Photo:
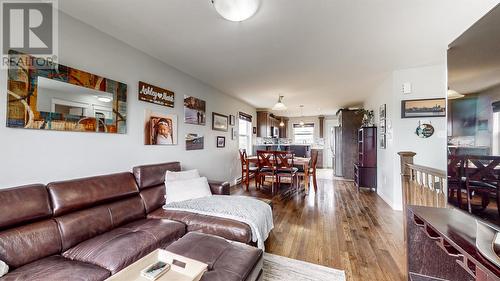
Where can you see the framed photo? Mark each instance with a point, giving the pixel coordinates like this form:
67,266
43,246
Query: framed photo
221,142
231,120
160,129
194,111
382,112
194,142
220,122
423,108
383,141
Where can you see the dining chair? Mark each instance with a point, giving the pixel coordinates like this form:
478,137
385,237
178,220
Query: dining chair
266,168
246,170
456,177
482,176
285,167
312,169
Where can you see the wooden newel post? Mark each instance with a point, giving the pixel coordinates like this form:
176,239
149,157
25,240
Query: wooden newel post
406,158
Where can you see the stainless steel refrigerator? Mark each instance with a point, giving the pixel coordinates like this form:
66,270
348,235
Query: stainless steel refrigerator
337,151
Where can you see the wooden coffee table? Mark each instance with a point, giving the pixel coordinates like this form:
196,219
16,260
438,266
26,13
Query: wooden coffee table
192,271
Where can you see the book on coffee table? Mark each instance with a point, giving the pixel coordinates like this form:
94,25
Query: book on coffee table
181,268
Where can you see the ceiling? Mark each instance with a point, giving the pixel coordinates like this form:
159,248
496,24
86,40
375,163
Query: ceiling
324,54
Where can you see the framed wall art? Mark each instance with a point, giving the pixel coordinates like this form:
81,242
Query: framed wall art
423,108
221,142
63,98
194,141
194,111
220,122
160,129
156,95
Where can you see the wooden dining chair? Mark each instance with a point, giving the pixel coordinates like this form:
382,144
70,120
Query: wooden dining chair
247,171
285,167
265,168
482,176
312,169
456,177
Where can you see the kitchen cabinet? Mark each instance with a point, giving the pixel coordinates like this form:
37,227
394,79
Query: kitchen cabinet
266,122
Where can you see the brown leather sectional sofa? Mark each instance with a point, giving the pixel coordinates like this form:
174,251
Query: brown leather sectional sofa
89,229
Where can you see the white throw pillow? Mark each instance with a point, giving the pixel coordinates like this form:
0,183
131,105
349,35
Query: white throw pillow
182,190
4,268
183,175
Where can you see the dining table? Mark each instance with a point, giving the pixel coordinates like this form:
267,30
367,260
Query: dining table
297,161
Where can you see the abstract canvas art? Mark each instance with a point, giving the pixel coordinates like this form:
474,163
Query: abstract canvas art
64,99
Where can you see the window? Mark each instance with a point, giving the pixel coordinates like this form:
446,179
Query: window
496,133
245,132
303,134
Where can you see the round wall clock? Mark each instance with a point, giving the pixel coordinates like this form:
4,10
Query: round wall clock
425,131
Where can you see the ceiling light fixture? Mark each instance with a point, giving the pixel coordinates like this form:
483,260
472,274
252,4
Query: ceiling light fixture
452,94
104,99
236,10
279,106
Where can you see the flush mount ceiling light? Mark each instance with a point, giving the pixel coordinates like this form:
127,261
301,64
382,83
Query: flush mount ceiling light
279,106
104,99
236,10
452,94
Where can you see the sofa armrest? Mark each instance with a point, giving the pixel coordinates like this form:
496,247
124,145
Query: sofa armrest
219,187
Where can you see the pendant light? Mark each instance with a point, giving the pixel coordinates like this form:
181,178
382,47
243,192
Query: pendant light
282,124
452,94
279,106
236,10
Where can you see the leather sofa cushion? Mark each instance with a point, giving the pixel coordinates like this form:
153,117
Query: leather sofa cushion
118,248
226,228
24,244
153,197
26,203
154,175
82,225
227,261
57,268
74,195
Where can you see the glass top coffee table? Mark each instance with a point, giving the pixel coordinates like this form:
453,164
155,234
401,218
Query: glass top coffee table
182,268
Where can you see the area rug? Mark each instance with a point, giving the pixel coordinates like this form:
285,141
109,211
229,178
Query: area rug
277,268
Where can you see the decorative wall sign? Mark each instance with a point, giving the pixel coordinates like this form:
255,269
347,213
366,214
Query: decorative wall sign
219,122
424,130
221,142
160,129
156,95
231,120
64,99
423,108
234,133
194,142
194,111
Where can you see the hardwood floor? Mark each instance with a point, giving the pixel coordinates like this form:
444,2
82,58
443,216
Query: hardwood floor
340,228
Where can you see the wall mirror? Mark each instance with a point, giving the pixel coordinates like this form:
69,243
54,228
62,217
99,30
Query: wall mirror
64,99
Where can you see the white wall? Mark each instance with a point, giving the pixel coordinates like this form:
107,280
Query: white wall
31,156
427,82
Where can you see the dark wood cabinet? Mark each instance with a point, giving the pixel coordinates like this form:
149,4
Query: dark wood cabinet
266,122
365,169
346,139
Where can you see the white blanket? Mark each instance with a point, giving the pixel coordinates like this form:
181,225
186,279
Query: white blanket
256,213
